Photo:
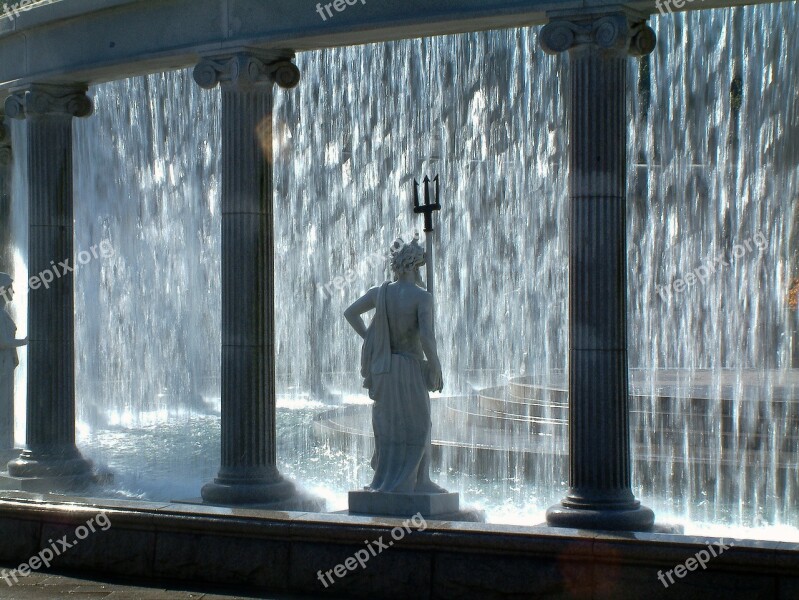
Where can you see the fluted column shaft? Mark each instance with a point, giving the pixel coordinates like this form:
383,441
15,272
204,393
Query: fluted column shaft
600,494
6,266
248,358
50,435
248,473
598,384
6,255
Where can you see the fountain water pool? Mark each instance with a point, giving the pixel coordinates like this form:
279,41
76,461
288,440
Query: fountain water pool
713,134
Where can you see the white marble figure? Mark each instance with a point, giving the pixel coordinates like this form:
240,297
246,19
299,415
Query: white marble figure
398,377
8,362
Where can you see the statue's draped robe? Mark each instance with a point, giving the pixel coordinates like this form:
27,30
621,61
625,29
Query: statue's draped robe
8,361
401,411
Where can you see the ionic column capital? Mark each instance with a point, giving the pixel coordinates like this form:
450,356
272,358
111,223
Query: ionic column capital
44,99
247,70
612,33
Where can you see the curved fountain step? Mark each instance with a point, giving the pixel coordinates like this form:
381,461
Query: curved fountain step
516,427
524,389
523,395
498,399
460,413
658,413
471,414
479,450
695,386
355,420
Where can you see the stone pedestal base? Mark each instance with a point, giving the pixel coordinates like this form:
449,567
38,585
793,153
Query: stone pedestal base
47,484
636,518
34,465
403,505
299,503
31,472
277,495
222,492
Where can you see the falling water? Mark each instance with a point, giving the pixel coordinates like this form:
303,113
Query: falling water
713,145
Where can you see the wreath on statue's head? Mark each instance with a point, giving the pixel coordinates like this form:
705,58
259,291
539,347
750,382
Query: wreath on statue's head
406,257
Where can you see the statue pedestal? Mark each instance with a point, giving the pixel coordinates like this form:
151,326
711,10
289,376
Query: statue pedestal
403,505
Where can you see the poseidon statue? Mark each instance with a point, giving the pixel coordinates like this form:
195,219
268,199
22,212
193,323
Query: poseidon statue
400,365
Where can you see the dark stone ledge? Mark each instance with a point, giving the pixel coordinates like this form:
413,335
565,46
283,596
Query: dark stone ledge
284,552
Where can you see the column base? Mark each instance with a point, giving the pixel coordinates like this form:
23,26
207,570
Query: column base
37,464
634,518
46,485
40,472
280,494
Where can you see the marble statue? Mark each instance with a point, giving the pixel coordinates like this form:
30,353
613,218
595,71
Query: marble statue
400,365
8,362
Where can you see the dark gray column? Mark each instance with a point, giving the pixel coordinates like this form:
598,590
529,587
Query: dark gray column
600,496
249,473
51,454
6,254
6,266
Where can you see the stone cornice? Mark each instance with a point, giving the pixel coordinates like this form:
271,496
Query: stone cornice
153,43
40,100
247,70
612,33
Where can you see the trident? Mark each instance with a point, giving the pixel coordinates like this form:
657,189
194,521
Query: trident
427,209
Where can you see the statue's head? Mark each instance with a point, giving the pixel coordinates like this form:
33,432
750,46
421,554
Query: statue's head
406,257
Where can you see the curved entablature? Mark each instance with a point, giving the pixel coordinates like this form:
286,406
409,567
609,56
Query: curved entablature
91,41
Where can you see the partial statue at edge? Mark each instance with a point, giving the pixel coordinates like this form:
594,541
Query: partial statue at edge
8,362
400,364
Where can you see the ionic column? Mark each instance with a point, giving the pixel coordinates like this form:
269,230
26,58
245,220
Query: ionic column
6,266
600,495
249,473
51,454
